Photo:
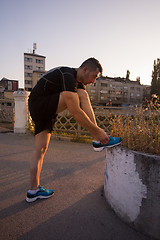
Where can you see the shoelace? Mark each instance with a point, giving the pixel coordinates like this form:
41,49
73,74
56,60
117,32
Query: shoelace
41,189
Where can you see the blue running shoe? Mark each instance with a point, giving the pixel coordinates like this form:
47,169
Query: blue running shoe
113,141
41,193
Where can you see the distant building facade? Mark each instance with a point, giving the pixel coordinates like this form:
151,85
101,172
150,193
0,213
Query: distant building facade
7,87
34,66
116,91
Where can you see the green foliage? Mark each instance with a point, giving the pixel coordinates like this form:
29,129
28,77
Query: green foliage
141,133
127,75
138,80
155,84
31,125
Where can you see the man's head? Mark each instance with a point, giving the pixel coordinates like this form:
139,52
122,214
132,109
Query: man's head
89,71
92,64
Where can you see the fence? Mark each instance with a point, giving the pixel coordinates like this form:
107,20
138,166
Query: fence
66,124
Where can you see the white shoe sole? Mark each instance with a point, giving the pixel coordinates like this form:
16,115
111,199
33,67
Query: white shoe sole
35,198
101,148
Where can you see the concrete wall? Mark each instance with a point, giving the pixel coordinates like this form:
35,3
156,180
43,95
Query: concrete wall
132,187
8,94
6,110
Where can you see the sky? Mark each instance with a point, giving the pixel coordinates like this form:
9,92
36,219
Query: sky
122,34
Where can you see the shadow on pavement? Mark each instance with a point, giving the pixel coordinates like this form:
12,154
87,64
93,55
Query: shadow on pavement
88,219
14,209
51,172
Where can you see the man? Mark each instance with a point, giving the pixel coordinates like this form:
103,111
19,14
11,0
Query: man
58,89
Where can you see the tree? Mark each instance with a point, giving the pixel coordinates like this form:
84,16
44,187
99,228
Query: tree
155,83
138,80
127,75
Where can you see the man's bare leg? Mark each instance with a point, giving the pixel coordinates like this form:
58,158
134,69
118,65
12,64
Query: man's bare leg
86,104
41,144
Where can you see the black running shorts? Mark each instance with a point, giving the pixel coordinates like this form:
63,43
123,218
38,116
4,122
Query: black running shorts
43,111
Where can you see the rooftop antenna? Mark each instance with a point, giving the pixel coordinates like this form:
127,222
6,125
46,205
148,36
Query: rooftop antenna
34,47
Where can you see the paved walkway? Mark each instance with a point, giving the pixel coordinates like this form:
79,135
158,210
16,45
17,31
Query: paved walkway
77,211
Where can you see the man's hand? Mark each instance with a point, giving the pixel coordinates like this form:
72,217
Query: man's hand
101,136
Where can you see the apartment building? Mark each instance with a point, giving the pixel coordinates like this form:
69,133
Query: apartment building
116,91
34,67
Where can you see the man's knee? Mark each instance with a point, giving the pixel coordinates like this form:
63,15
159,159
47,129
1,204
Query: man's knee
82,93
42,142
40,151
44,149
83,96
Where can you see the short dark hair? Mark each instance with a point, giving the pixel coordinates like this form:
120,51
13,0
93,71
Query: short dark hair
92,64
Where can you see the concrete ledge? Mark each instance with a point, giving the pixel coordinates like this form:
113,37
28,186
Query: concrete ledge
132,188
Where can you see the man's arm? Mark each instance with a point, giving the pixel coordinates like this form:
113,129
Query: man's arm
85,104
72,102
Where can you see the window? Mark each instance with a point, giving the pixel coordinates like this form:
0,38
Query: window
111,91
26,59
39,68
28,67
6,104
138,94
132,88
28,82
132,94
93,91
39,61
138,89
28,89
104,84
9,85
28,74
103,91
119,86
